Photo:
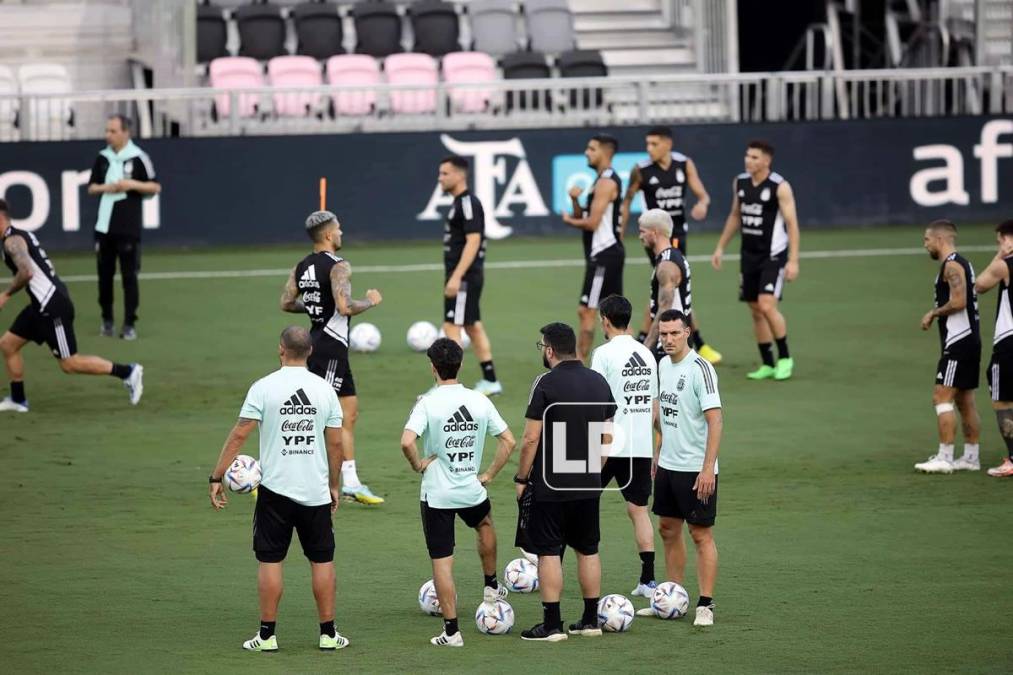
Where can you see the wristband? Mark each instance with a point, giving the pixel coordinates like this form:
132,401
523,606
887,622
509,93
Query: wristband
212,479
521,481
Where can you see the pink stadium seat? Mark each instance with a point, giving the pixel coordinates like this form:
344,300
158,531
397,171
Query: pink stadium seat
295,71
412,69
354,70
236,72
469,67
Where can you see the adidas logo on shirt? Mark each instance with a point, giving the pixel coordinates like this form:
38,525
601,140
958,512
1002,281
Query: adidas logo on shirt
769,287
654,180
298,404
309,278
636,367
461,421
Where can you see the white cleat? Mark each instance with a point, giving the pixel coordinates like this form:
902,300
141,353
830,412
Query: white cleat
135,383
257,644
491,595
646,611
1004,470
965,464
935,464
329,644
10,405
444,640
704,616
644,590
488,388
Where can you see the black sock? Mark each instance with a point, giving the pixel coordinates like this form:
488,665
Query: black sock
782,347
488,372
590,612
121,370
450,626
705,601
490,580
266,629
646,567
697,340
766,353
551,617
18,392
327,628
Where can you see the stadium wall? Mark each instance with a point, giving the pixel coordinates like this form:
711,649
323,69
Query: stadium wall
257,190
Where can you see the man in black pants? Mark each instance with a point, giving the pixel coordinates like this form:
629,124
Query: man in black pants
124,177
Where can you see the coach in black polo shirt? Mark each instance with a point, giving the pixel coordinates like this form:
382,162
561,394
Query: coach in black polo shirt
559,494
124,177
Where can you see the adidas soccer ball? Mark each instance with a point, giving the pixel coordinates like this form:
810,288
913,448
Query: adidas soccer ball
428,601
494,618
421,335
670,600
243,475
615,613
530,557
465,340
365,337
521,576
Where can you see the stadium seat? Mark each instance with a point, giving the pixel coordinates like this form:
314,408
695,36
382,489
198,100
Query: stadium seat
583,63
212,34
494,26
550,25
318,29
261,31
526,66
8,109
230,4
236,72
377,28
469,67
436,28
354,70
49,116
295,71
412,69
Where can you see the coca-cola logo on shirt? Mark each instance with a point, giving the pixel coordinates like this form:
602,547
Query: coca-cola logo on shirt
297,425
637,385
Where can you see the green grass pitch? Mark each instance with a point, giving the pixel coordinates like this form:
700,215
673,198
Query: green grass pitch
835,554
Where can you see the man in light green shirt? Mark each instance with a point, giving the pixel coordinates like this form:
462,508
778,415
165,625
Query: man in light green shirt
452,422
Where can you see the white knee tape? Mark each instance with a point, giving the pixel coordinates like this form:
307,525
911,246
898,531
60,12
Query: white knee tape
943,408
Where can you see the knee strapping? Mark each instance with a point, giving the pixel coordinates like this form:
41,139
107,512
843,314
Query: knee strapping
943,408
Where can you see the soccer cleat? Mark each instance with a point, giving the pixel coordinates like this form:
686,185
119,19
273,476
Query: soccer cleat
935,464
782,371
646,611
764,372
488,388
585,629
328,643
645,590
1004,470
107,329
965,464
361,494
540,633
128,333
491,595
444,640
135,383
710,354
258,644
10,405
704,616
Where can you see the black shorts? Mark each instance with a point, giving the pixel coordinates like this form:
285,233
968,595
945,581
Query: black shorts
438,526
602,277
547,527
959,372
329,360
674,497
55,327
465,309
1000,377
275,515
632,475
766,276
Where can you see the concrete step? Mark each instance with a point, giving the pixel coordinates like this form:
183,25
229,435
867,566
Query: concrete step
583,6
629,21
651,60
656,39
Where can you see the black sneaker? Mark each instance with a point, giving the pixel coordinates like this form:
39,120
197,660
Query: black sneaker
107,329
543,634
585,629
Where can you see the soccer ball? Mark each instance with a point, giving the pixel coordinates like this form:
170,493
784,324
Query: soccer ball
494,618
465,340
428,601
615,613
243,475
365,337
670,600
530,557
421,335
521,576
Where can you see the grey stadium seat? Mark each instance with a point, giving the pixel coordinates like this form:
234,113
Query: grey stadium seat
436,27
261,31
550,25
494,26
318,29
212,34
377,28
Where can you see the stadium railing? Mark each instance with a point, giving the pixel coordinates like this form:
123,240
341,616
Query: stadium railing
599,101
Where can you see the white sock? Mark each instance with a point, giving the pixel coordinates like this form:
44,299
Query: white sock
945,452
971,451
350,478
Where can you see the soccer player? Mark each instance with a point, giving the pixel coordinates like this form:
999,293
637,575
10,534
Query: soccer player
763,205
688,416
452,422
464,263
631,372
956,307
603,243
48,318
299,485
320,285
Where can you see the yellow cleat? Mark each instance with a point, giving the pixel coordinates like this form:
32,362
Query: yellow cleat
361,494
711,354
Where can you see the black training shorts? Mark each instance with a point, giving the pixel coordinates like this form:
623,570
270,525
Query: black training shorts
55,327
550,526
1000,377
674,497
329,360
632,476
464,309
275,515
603,277
438,525
765,276
959,371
